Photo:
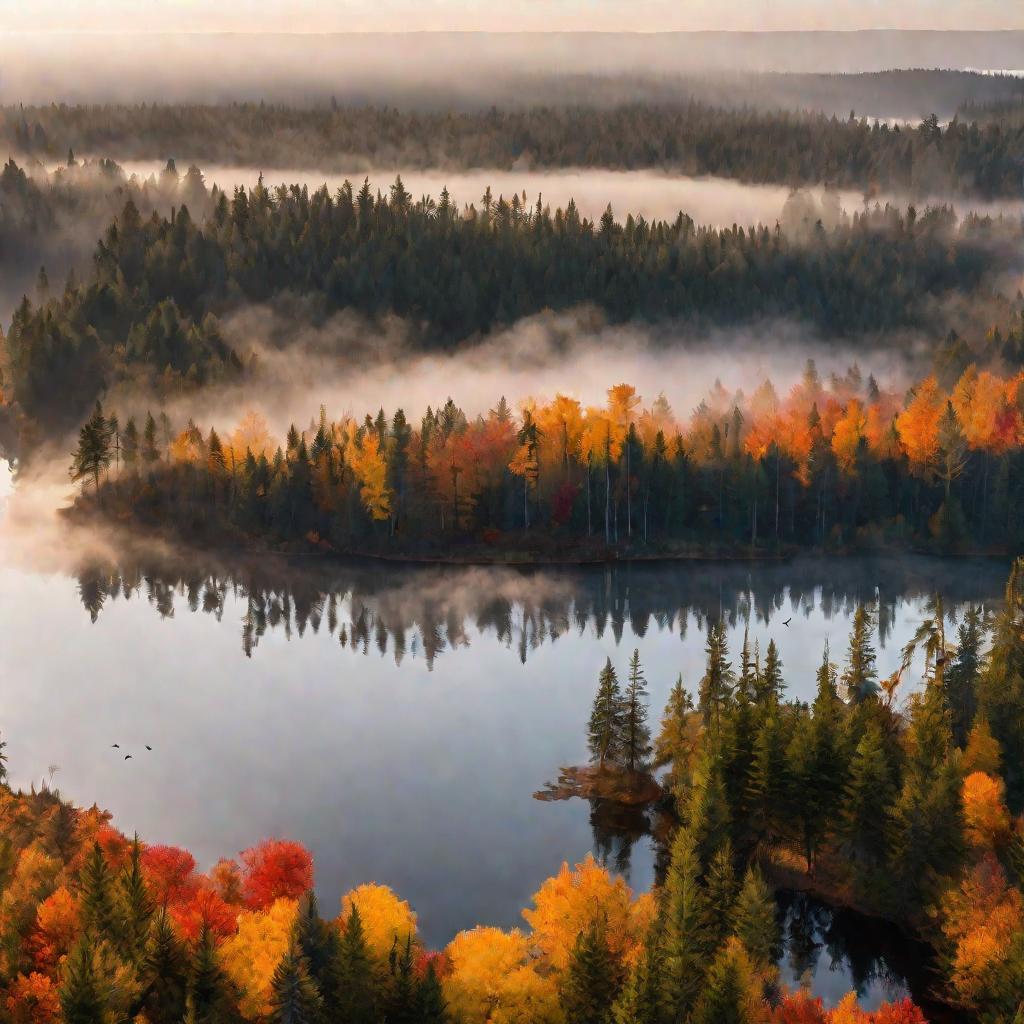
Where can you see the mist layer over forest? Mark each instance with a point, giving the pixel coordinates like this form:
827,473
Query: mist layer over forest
447,69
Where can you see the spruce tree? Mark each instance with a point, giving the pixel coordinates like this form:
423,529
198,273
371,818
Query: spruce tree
636,735
686,943
210,999
355,985
431,1007
98,911
768,783
716,686
860,678
606,719
402,1003
754,920
81,993
961,676
294,997
770,684
136,906
729,991
639,1001
867,806
92,455
591,980
165,974
720,893
319,944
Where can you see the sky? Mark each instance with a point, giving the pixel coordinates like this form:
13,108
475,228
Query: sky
526,15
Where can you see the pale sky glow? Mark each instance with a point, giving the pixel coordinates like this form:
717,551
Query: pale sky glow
319,16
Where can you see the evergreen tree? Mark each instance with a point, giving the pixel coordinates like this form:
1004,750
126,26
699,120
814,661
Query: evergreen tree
210,999
294,996
606,719
716,686
867,805
82,998
92,455
97,911
729,991
136,905
962,673
860,678
770,685
591,980
319,944
430,1003
636,736
150,448
639,1001
402,1004
720,892
686,943
768,783
165,974
754,921
355,984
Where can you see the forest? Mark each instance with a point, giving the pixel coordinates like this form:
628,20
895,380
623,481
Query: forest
680,127
147,312
909,809
840,464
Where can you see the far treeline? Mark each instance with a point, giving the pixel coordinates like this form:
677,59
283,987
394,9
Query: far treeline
684,135
834,464
148,310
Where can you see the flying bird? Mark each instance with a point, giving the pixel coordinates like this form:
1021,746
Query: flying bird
148,747
127,756
117,745
788,621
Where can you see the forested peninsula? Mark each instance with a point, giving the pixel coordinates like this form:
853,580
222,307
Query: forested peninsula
838,464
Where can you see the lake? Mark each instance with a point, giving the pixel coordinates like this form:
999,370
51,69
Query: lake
395,719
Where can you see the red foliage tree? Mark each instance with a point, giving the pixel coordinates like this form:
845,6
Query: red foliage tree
276,868
170,873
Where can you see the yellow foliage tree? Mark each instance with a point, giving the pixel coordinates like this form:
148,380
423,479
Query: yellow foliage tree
367,462
847,434
571,901
491,982
986,817
918,425
385,918
251,955
251,435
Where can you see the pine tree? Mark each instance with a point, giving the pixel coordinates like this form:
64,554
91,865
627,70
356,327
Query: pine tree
81,993
150,449
319,944
860,678
355,985
770,685
591,980
686,944
729,992
639,1001
716,686
136,905
97,908
754,920
431,1007
961,676
806,808
768,783
210,998
867,805
672,745
402,998
606,725
294,997
92,455
165,974
720,892
636,736
828,769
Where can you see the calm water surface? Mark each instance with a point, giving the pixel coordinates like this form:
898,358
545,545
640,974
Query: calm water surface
397,720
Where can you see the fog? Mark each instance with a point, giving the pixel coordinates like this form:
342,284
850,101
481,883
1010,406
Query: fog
713,202
442,68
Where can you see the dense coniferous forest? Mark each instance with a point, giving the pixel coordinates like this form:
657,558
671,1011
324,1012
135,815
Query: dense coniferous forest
841,464
909,810
147,311
686,136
